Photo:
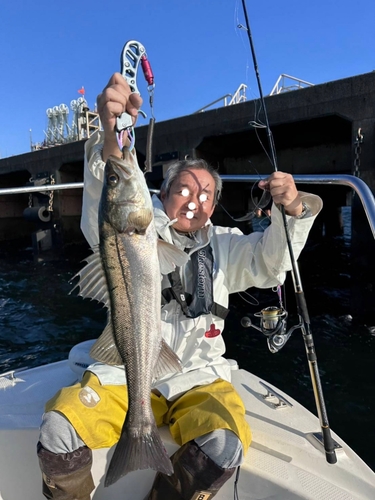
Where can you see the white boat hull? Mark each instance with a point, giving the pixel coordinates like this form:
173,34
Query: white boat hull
284,462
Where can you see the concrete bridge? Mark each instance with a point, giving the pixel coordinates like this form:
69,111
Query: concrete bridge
316,130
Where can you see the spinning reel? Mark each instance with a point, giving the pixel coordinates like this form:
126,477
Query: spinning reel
273,324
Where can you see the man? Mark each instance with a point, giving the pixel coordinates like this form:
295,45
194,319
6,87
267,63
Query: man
206,416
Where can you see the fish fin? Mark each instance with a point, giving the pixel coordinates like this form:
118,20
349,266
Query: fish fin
92,282
105,349
137,450
170,256
168,361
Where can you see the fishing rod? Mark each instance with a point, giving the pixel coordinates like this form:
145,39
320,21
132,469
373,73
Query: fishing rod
328,443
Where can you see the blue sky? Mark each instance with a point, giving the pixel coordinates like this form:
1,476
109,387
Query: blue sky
49,50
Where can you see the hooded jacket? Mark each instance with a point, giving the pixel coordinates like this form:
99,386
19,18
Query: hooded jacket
260,259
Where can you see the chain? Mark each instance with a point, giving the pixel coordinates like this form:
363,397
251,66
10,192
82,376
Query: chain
30,194
51,193
357,152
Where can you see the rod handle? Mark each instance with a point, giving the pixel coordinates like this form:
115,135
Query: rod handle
329,446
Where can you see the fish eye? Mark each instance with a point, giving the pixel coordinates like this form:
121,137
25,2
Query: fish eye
113,179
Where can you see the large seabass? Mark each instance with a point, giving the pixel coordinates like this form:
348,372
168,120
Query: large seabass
124,274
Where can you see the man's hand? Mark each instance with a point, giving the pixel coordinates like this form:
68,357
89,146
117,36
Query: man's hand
112,102
283,191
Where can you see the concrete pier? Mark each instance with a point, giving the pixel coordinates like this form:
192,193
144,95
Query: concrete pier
315,131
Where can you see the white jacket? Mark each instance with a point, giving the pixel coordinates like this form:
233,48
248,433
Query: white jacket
240,262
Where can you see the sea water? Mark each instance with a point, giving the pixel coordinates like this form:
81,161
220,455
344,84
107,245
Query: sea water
40,322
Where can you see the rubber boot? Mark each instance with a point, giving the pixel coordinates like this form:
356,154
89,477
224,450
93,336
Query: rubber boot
66,476
195,477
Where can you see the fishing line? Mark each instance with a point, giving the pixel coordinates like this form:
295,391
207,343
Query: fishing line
260,204
258,124
265,197
256,301
247,67
257,205
300,297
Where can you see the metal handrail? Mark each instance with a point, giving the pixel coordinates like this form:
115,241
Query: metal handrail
239,95
49,187
236,98
278,90
42,188
224,98
358,185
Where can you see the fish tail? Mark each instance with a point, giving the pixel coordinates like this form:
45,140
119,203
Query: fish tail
138,451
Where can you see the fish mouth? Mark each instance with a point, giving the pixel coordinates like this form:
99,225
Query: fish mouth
126,169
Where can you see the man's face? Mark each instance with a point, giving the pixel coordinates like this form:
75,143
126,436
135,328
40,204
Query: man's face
190,200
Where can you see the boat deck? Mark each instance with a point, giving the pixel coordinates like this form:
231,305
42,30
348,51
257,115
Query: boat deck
285,461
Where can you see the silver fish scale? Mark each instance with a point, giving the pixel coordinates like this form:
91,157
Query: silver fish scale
130,263
129,257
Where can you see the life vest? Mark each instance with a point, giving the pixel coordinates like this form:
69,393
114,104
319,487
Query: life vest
201,300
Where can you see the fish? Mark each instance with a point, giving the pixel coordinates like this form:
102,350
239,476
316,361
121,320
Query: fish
124,273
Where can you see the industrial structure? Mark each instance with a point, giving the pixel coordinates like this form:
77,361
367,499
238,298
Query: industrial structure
59,131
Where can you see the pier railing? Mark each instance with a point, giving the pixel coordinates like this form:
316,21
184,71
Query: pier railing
355,183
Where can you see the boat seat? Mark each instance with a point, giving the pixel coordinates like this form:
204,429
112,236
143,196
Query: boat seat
79,358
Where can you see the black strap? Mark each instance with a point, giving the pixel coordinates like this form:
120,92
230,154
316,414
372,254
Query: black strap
176,292
201,301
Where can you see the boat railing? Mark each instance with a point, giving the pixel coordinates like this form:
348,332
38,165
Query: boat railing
355,183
